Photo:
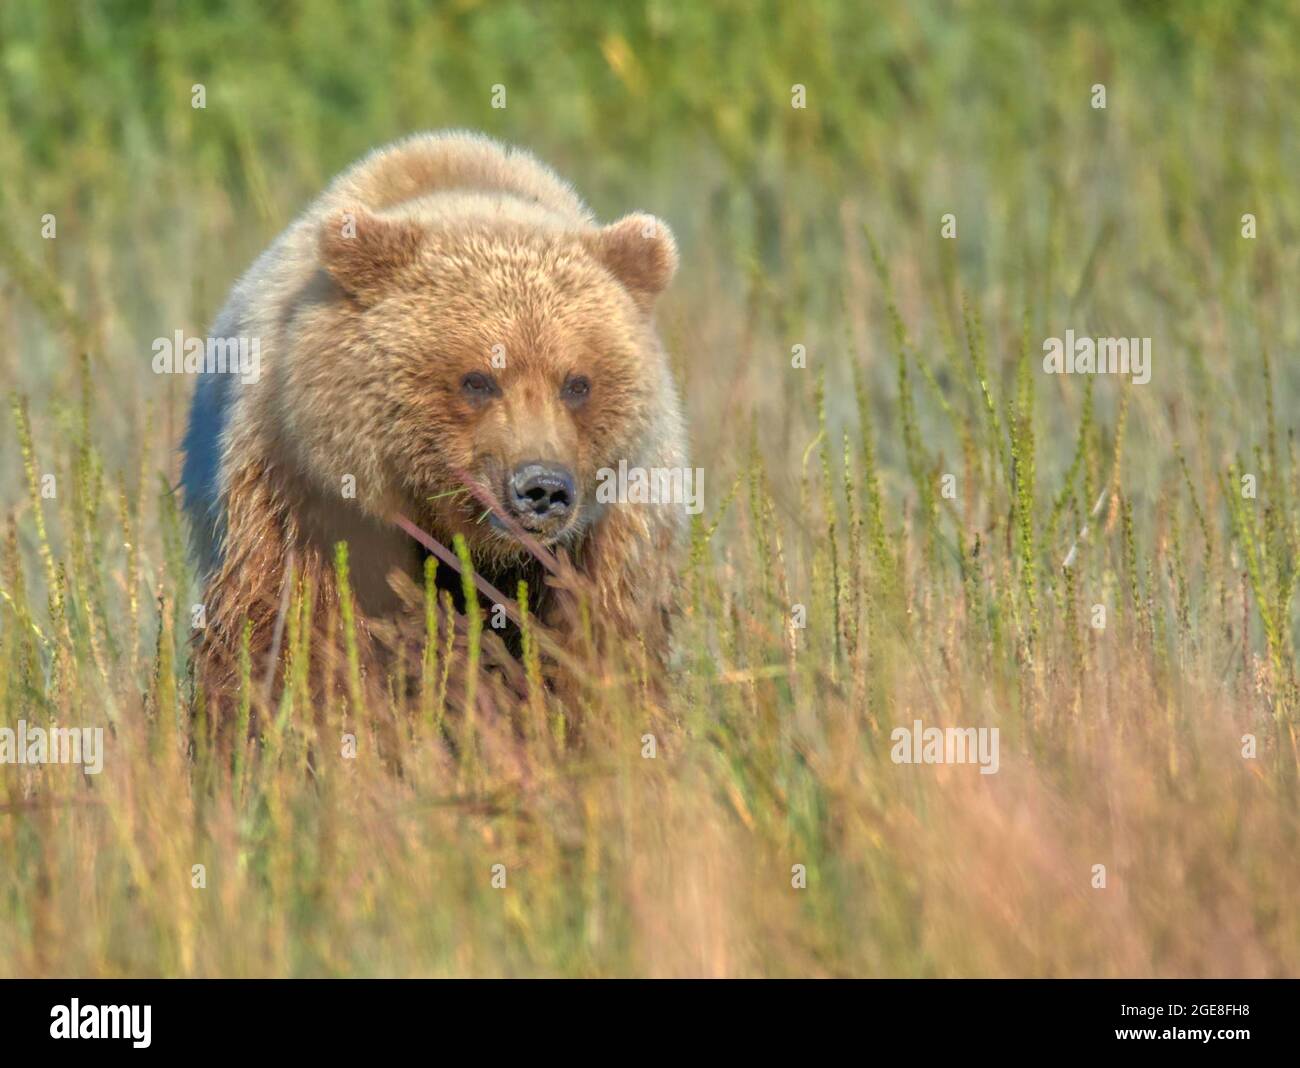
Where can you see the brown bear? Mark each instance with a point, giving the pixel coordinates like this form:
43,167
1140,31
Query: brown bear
446,314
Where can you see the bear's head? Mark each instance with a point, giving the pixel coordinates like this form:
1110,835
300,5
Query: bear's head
520,356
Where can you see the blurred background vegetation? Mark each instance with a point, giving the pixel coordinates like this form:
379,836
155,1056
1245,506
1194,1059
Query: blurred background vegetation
815,226
1126,217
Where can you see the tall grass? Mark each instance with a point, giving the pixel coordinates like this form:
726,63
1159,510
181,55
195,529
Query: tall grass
1122,744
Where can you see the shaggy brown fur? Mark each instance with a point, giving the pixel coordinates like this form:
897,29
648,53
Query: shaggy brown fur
405,276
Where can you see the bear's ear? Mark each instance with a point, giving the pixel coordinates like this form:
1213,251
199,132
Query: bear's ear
362,250
640,252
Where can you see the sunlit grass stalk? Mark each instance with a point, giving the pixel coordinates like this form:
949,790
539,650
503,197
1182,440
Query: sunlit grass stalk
244,710
449,645
429,658
532,664
347,611
1022,464
474,636
28,450
829,513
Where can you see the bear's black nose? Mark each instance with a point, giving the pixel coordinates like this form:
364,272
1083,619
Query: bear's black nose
540,490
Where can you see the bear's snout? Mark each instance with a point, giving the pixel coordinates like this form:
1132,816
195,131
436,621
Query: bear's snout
540,492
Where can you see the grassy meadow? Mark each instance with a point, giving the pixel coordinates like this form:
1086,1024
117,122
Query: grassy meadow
942,515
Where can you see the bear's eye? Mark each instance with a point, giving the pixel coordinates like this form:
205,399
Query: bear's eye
576,389
478,385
